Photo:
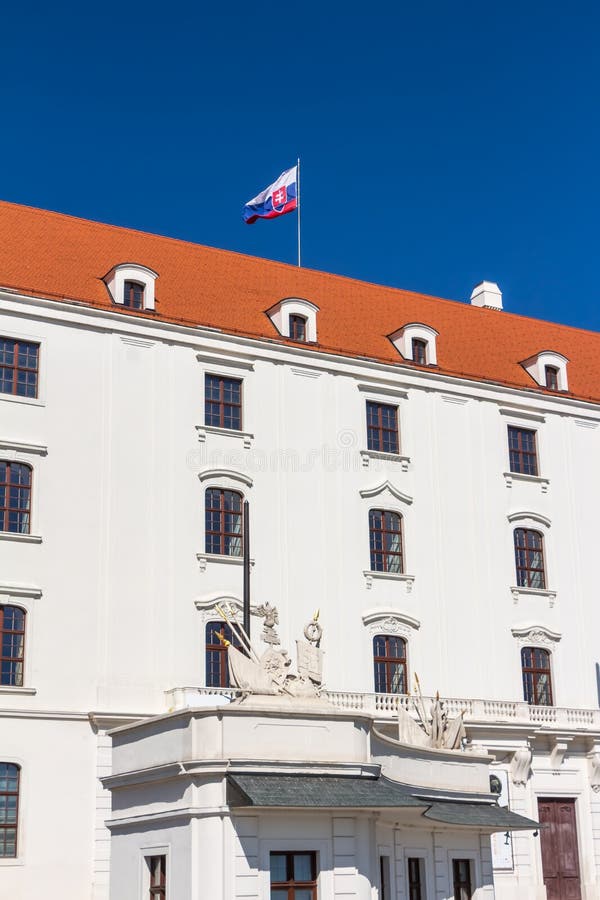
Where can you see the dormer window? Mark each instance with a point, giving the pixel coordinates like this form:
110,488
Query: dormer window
296,319
297,327
132,285
551,378
548,369
133,295
419,351
416,342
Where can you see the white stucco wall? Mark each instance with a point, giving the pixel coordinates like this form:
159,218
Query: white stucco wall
110,588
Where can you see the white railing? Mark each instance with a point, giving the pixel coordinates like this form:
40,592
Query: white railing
509,712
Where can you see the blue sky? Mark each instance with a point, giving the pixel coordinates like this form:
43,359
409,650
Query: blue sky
441,143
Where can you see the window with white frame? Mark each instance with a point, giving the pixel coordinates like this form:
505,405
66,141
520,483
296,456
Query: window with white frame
537,676
529,558
293,875
19,367
548,369
462,879
10,778
132,286
223,402
224,522
12,645
157,877
295,318
416,877
389,664
15,497
416,342
385,541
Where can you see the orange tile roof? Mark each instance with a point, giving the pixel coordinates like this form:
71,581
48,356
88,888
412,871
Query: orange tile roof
61,257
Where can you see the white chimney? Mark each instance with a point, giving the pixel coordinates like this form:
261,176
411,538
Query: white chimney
487,294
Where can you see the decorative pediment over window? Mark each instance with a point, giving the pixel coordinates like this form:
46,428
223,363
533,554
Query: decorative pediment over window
529,519
225,475
530,635
123,276
386,486
207,605
285,313
389,621
403,339
548,369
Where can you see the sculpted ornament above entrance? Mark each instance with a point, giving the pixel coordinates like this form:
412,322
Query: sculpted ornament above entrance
433,730
269,674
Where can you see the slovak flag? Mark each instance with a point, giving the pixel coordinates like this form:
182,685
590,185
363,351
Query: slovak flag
279,198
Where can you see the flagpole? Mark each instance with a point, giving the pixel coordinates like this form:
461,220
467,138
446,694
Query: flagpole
298,183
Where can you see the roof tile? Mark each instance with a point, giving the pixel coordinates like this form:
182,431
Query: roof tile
61,257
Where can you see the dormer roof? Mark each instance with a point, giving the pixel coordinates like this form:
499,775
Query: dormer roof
63,258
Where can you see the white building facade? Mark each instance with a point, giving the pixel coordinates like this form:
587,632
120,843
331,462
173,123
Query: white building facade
382,491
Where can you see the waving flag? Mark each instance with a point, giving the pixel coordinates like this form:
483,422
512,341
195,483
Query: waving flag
279,198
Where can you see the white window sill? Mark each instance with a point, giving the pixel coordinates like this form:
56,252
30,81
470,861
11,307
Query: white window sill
244,436
368,455
389,576
544,483
205,558
518,592
17,536
31,401
12,861
12,689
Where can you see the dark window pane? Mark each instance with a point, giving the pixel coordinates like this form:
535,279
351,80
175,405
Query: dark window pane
15,497
9,805
382,427
19,367
529,558
223,402
522,451
537,683
278,867
389,661
385,541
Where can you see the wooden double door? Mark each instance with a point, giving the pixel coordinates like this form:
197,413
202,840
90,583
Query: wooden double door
560,857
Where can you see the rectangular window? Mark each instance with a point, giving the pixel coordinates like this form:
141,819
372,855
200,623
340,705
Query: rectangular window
293,876
382,427
223,402
9,809
19,365
529,559
522,450
419,351
415,878
15,497
389,660
224,522
12,645
385,541
298,328
158,877
461,870
133,295
537,677
217,668
551,378
384,878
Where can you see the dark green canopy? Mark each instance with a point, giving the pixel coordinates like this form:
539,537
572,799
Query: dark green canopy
271,790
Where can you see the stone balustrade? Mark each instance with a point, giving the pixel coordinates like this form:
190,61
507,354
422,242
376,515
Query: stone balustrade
500,712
